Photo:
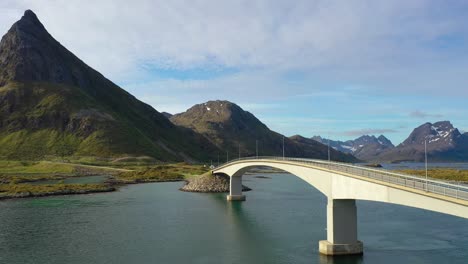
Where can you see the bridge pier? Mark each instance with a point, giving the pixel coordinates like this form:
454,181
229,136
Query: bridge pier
235,190
341,229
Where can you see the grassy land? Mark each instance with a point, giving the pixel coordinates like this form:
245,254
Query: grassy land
15,176
441,173
48,167
29,190
171,172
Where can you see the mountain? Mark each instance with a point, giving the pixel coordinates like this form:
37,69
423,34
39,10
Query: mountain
365,147
444,143
231,128
53,104
166,114
311,148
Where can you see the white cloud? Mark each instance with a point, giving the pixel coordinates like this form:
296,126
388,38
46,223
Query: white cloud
354,55
117,36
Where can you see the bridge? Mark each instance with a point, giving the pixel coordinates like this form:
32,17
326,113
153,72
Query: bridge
344,183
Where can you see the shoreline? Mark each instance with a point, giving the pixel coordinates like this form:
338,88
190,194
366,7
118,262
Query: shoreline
25,195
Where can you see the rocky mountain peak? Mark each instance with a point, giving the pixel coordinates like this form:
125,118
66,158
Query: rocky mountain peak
29,53
444,143
384,141
439,133
219,112
30,16
363,147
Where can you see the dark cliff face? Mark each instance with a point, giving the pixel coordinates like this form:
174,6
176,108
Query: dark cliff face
49,95
166,114
29,53
228,126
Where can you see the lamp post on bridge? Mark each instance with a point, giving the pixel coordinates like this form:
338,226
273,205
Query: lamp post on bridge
239,152
256,148
283,147
328,144
227,156
425,160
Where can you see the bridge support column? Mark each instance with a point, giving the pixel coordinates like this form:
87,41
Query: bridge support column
235,193
341,229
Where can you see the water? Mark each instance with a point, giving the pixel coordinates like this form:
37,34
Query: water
281,222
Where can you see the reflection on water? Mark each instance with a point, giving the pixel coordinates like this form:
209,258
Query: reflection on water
281,222
357,259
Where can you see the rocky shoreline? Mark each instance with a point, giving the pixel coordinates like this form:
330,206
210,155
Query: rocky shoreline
209,184
54,193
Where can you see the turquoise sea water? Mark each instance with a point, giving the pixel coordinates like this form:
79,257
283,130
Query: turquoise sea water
281,222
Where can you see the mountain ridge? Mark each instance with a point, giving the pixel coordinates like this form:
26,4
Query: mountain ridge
230,127
364,147
444,143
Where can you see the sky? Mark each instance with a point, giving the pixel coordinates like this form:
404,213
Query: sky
339,69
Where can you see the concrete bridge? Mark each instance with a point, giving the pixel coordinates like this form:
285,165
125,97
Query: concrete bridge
343,184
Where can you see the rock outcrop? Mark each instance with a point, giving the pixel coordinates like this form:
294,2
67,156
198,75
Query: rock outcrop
209,184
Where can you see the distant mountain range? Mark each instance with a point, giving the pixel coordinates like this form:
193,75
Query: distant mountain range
444,143
229,127
365,147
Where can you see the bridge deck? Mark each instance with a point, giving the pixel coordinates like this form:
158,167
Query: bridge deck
441,189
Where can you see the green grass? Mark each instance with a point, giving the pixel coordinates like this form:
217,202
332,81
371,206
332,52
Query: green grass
34,167
29,190
441,173
45,120
14,176
172,172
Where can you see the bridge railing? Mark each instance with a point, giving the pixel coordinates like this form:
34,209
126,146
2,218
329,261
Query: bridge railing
415,182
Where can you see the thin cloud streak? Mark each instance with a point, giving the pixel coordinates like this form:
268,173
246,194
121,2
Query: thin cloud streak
423,115
370,131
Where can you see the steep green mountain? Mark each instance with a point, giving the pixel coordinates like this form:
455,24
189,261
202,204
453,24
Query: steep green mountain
53,104
232,129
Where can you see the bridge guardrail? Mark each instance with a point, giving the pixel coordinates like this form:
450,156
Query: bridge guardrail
414,182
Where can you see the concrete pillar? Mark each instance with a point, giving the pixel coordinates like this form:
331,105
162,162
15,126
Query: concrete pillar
235,193
341,229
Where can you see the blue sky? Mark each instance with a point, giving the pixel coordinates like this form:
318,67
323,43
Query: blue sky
337,68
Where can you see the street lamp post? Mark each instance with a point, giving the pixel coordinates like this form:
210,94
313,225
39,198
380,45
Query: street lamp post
256,149
283,147
328,143
425,159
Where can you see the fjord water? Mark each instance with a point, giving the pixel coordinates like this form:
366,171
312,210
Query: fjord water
281,222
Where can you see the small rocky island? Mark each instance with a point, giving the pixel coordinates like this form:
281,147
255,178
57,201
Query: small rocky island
209,183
